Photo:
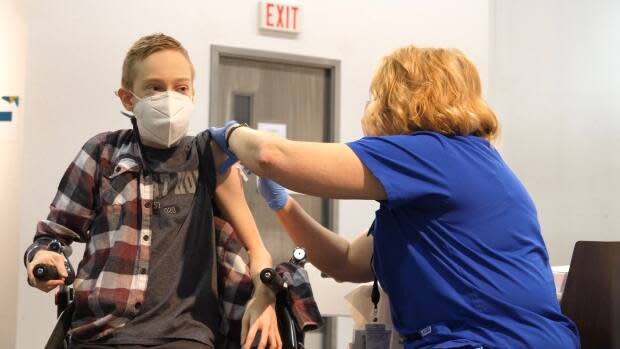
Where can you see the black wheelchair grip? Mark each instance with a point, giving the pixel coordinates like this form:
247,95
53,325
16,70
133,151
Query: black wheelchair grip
272,279
45,272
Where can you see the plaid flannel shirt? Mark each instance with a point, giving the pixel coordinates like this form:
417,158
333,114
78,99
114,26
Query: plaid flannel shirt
302,305
103,183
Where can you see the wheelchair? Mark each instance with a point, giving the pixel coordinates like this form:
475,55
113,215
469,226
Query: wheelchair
291,333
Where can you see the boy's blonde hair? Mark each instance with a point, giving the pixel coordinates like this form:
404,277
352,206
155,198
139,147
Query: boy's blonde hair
426,89
144,47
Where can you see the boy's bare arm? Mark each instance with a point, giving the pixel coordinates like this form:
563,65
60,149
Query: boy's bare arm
230,200
260,312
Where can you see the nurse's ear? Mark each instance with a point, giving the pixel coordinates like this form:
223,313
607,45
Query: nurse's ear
126,98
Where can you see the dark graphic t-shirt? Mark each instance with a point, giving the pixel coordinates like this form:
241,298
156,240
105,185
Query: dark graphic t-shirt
180,302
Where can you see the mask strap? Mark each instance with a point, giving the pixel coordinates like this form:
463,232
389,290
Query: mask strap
134,95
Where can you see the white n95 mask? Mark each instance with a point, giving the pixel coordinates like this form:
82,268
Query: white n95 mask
163,119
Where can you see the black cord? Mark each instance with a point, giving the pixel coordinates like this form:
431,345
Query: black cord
375,295
136,133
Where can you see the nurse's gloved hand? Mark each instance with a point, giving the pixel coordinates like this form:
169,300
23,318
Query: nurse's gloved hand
219,136
275,195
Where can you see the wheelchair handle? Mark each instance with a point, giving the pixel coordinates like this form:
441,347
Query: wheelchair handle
273,280
45,272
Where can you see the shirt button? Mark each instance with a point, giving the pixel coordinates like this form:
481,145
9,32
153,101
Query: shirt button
143,271
147,204
145,238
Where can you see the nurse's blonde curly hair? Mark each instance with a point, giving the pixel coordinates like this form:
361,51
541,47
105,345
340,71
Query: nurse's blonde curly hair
427,89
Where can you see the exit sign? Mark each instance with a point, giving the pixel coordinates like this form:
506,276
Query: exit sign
280,16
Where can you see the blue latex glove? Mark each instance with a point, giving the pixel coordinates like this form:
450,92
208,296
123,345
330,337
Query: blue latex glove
275,195
219,136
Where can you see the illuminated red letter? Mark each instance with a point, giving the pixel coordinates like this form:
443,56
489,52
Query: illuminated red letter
280,9
269,7
295,8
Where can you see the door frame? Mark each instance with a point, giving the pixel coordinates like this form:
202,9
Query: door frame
332,134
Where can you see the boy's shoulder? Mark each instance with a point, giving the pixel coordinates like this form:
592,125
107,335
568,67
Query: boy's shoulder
114,138
109,144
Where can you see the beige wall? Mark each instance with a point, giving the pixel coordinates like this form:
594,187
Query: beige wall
555,85
12,82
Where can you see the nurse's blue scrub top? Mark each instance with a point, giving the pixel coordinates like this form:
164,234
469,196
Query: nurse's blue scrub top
458,246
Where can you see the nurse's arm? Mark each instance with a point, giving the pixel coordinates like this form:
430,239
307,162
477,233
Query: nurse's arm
328,251
320,169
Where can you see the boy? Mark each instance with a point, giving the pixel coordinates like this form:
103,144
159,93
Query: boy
141,201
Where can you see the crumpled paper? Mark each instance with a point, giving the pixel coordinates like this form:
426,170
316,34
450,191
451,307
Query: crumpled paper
361,308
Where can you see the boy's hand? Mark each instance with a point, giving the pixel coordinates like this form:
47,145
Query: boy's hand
48,258
260,315
219,135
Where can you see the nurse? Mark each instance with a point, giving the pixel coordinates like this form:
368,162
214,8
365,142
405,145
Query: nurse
456,241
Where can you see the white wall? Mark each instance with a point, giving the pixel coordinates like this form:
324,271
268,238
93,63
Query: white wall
75,55
556,88
12,82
